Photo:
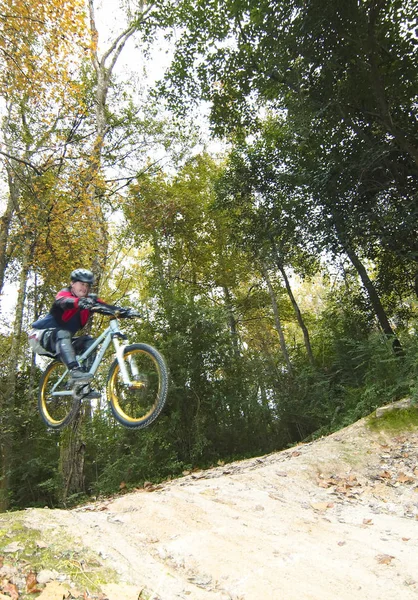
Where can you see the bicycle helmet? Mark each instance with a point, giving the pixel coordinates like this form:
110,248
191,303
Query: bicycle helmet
83,275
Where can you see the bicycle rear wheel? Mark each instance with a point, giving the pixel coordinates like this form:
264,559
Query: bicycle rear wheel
139,404
56,409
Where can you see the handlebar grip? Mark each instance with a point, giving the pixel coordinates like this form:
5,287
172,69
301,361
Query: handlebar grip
134,313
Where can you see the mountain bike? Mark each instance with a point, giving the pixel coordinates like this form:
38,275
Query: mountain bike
137,380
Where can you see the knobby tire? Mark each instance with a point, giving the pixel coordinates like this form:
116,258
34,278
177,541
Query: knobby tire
138,406
56,411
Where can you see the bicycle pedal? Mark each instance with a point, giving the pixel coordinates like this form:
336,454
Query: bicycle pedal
92,395
81,390
79,387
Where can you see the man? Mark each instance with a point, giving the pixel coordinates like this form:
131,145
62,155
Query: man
53,334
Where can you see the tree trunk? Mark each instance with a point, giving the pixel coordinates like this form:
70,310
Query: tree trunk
11,207
296,308
7,402
104,69
231,321
72,445
277,320
72,450
374,299
5,222
367,282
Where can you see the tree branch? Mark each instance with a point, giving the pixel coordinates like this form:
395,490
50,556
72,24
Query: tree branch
23,161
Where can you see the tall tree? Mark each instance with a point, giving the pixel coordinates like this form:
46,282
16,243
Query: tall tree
36,74
267,216
343,77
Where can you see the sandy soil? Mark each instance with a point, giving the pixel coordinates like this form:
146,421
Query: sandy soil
336,518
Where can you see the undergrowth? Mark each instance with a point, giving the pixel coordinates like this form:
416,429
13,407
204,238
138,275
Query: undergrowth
395,420
36,550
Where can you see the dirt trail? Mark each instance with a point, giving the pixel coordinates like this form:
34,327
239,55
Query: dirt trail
336,518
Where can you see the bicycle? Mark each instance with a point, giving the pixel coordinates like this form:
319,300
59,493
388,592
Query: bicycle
137,381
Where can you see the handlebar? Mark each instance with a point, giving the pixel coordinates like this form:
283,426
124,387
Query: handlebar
119,313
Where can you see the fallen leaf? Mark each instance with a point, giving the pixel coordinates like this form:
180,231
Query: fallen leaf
122,485
403,478
53,591
321,506
405,539
384,559
385,475
11,590
367,522
125,591
31,583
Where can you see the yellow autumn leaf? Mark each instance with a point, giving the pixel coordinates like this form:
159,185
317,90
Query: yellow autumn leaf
384,559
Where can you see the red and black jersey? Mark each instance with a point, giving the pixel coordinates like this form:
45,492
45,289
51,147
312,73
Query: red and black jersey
64,313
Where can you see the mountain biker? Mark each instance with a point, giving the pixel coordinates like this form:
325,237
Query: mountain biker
52,335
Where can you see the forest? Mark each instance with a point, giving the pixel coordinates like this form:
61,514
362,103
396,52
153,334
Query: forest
245,174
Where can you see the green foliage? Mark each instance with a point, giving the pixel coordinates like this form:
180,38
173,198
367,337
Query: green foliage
318,101
34,477
341,132
395,420
38,551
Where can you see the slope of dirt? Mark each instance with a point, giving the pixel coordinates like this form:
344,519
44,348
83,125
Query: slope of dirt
335,518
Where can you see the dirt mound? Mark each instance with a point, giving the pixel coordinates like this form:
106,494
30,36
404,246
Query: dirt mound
335,518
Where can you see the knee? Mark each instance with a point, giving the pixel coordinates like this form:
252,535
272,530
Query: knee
62,334
57,336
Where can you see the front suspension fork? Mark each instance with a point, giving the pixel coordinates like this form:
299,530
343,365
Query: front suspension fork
120,351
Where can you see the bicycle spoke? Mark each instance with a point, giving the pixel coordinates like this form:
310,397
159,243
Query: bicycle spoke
138,403
56,402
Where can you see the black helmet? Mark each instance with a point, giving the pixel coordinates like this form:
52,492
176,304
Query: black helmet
83,275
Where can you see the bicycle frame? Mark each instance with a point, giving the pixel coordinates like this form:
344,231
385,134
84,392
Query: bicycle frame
110,334
136,384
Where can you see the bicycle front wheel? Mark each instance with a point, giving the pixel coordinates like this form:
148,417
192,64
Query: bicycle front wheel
138,404
56,404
